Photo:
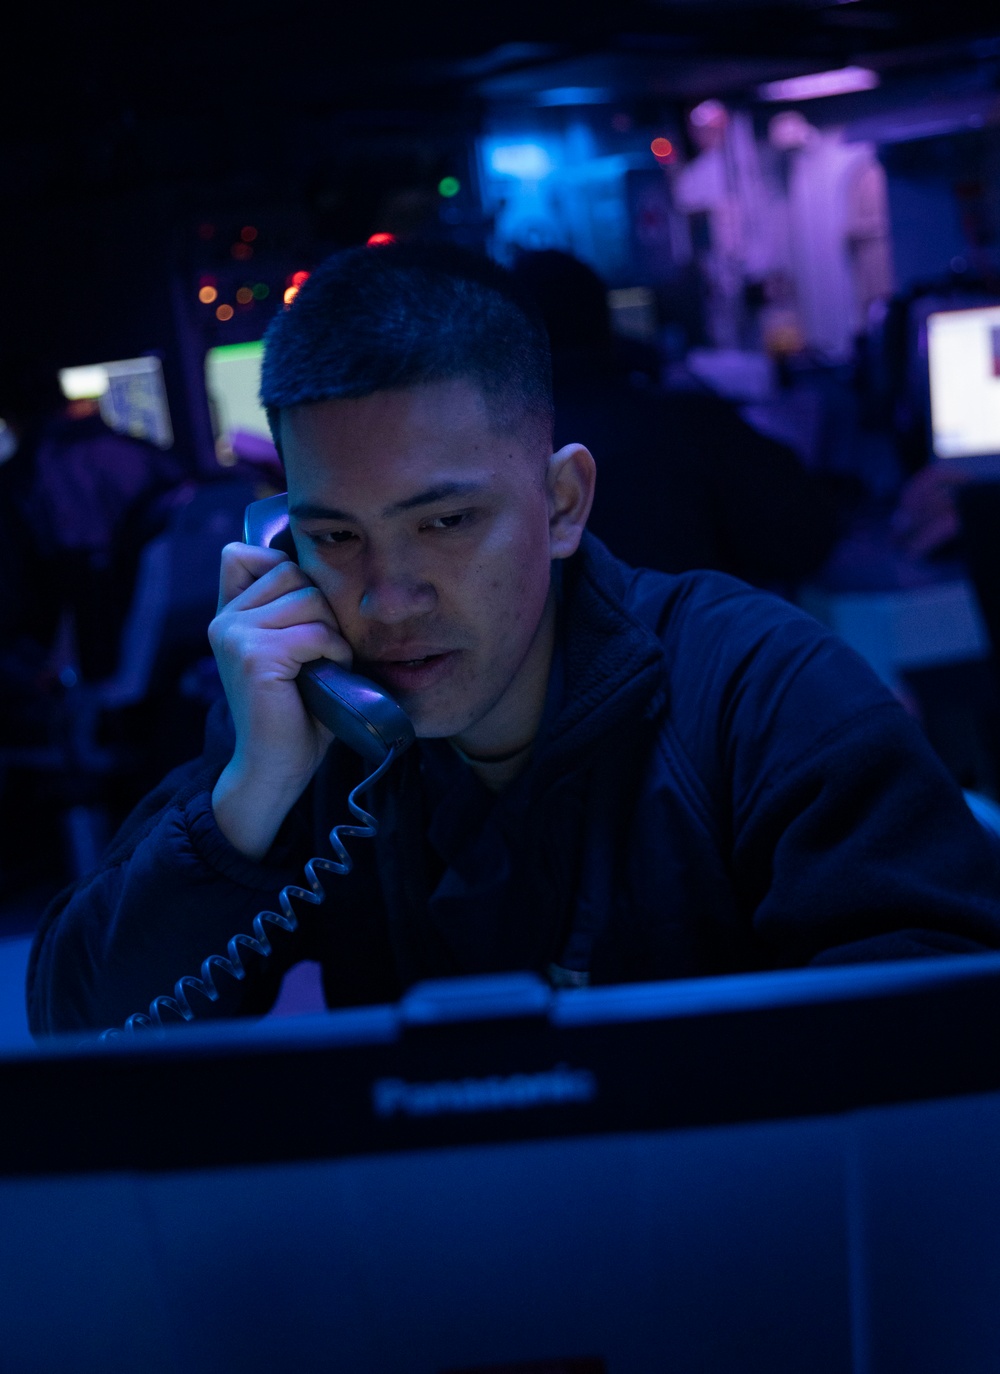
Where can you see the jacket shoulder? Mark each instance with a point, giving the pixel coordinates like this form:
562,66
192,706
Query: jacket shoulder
742,662
706,602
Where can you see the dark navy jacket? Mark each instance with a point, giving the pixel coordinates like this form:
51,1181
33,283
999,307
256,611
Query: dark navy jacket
723,786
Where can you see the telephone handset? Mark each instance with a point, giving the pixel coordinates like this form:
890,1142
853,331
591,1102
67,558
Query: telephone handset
353,708
357,712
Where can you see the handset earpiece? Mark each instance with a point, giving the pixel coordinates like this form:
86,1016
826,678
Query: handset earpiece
265,523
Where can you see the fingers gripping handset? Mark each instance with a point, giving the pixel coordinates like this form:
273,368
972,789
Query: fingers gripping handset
354,709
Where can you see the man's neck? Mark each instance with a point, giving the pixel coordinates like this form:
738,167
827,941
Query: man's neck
496,773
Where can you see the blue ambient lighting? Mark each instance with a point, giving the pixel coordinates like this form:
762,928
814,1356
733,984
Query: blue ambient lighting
526,161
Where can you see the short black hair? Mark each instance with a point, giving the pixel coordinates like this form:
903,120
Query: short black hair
397,315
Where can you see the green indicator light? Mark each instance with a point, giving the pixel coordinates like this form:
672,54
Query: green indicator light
261,291
448,187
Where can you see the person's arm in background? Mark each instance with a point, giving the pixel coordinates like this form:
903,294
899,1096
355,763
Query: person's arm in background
926,517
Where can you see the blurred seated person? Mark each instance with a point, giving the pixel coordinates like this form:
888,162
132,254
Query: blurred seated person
916,543
79,501
683,481
926,519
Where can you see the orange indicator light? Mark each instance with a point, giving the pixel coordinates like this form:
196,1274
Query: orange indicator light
207,295
661,148
224,312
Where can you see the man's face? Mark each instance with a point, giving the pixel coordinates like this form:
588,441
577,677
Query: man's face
428,532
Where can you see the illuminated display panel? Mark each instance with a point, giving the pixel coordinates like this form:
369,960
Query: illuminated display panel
232,378
130,394
963,357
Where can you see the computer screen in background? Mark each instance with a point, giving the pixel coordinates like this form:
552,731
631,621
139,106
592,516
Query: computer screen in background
232,380
963,358
130,393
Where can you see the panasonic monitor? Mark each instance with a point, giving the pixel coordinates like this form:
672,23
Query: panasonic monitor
768,1173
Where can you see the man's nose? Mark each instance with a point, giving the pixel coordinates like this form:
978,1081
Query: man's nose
393,594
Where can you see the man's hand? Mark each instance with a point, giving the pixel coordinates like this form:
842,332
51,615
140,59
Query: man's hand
927,516
271,620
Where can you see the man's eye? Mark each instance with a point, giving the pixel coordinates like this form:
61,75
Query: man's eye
333,537
448,522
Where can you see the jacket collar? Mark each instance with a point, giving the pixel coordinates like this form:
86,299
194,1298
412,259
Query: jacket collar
614,665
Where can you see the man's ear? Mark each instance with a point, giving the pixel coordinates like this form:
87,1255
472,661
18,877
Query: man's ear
570,484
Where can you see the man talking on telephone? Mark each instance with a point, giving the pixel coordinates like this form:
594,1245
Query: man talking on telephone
619,775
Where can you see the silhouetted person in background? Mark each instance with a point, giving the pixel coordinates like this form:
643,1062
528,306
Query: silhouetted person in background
683,482
79,501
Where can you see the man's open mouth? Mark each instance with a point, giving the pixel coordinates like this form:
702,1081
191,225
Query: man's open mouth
411,674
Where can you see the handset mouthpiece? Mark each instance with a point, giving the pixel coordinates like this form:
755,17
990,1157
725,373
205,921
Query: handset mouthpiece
355,709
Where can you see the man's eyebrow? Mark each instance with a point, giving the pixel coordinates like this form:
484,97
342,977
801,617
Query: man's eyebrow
444,491
306,510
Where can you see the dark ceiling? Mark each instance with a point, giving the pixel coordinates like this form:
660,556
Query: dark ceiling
89,64
124,126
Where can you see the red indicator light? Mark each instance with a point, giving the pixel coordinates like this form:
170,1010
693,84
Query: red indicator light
662,148
376,240
298,278
241,251
248,233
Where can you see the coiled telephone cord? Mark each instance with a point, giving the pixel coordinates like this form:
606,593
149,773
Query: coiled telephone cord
179,1006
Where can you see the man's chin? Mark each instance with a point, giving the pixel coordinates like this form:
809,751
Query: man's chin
437,720
430,725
